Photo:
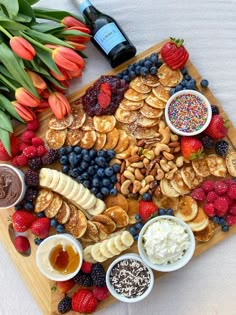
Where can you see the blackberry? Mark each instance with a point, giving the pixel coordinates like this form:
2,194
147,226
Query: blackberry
31,194
221,147
207,142
65,305
31,178
50,157
83,279
215,109
35,163
98,275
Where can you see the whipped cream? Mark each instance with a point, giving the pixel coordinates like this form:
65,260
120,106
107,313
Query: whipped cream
165,241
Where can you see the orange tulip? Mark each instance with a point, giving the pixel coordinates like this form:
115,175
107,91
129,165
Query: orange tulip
71,21
25,98
22,48
67,58
59,104
63,76
42,107
37,81
24,112
77,46
45,93
82,29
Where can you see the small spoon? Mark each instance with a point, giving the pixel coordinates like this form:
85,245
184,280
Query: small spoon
12,235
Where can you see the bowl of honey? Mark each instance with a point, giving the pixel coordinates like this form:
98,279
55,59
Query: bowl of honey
59,257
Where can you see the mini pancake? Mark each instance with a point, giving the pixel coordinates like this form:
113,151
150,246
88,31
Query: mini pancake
161,92
109,224
88,139
231,163
43,200
135,96
141,132
123,141
151,112
187,208
217,165
167,189
74,214
126,104
118,200
88,124
145,122
166,202
155,102
63,214
169,77
100,140
200,222
60,124
81,225
126,153
91,233
53,208
126,116
138,85
102,234
56,138
73,136
112,138
201,168
191,179
133,209
206,234
150,80
178,184
79,116
104,123
118,215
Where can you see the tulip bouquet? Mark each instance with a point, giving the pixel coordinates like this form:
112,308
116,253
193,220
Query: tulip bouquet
37,60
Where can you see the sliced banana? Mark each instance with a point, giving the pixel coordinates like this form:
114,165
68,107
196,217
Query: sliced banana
45,178
111,246
118,243
61,183
98,208
76,190
90,203
127,239
68,187
96,253
87,255
104,250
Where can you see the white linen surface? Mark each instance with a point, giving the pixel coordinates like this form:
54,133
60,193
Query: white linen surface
206,286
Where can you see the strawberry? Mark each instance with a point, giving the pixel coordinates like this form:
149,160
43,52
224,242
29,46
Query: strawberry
104,100
65,286
21,243
22,220
41,227
105,88
174,53
100,293
191,147
86,267
84,301
216,128
147,209
15,143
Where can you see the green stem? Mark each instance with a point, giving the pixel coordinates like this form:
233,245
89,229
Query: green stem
44,16
7,82
2,29
30,39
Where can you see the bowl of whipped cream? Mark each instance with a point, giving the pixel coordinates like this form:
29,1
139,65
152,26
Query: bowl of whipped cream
166,243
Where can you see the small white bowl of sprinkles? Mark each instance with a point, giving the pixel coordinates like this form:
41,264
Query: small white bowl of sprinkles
188,113
129,279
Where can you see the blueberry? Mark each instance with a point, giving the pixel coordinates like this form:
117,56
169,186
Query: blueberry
109,171
191,84
101,172
86,183
70,173
60,228
119,75
41,214
95,182
29,206
125,72
141,62
77,149
126,78
138,225
84,152
172,91
105,191
130,67
38,241
183,83
80,170
111,153
184,71
225,228
85,175
64,160
135,237
53,222
169,211
94,190
99,195
144,71
153,70
147,196
75,172
137,217
84,165
62,151
116,167
69,149
92,153
132,74
87,158
91,170
105,182
19,206
132,230
178,88
138,69
101,161
65,169
113,179
222,221
79,179
154,58
204,83
161,211
148,63
113,192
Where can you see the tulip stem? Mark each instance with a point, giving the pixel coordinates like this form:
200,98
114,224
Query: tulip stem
30,39
7,82
3,30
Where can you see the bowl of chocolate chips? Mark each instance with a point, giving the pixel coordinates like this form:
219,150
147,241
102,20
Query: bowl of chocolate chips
128,278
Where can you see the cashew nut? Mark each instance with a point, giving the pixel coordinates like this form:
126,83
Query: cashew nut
168,155
125,187
146,162
137,165
138,175
172,164
160,174
134,150
129,175
180,161
149,154
171,173
165,132
130,168
161,147
136,186
174,137
165,166
115,161
144,189
149,179
162,124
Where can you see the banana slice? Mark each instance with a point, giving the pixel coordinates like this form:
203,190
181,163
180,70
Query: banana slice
104,250
127,239
45,177
87,255
62,182
98,208
111,247
90,203
118,243
55,179
85,198
96,253
67,188
75,190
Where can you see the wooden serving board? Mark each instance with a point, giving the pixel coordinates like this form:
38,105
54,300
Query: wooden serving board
39,285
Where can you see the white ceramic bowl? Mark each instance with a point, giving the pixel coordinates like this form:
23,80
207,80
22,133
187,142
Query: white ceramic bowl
21,177
182,94
171,266
44,250
119,296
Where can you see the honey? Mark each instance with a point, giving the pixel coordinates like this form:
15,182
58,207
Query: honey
64,260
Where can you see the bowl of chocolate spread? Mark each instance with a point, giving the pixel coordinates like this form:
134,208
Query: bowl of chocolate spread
12,186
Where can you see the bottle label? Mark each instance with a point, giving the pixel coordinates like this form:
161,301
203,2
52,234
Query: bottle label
83,5
108,37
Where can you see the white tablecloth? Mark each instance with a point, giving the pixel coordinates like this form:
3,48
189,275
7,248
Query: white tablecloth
206,286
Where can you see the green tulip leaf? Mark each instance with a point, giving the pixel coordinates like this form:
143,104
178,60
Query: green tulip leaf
26,9
5,138
12,25
7,105
46,38
4,89
47,28
5,122
54,15
55,82
36,65
11,7
46,58
31,2
23,18
73,33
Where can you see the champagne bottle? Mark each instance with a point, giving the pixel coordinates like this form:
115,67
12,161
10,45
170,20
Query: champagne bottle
108,36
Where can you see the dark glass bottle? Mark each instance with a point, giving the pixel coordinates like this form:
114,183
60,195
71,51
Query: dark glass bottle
108,36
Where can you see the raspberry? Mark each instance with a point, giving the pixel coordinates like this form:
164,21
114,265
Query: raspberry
41,150
36,142
232,209
231,219
100,293
86,267
232,191
198,194
14,162
27,136
220,188
23,146
221,206
30,151
22,160
33,125
209,209
211,196
207,185
229,182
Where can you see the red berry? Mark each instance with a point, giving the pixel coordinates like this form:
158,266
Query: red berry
23,146
232,208
27,136
104,100
22,220
207,185
36,142
231,219
41,227
30,151
220,188
22,160
21,243
216,129
191,147
221,206
211,196
33,125
147,209
209,209
232,191
15,149
105,88
100,293
65,286
84,301
229,182
86,267
198,194
41,150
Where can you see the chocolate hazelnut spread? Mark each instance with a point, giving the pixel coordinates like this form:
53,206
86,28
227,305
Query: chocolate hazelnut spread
10,186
